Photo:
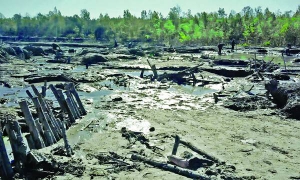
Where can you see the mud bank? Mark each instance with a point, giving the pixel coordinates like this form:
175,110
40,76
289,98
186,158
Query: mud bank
227,113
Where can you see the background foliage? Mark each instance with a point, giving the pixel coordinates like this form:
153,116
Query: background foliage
248,27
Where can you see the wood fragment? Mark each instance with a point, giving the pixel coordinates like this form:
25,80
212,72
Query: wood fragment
201,152
176,144
168,167
39,143
5,166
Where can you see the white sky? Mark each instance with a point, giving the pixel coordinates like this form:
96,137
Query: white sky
115,8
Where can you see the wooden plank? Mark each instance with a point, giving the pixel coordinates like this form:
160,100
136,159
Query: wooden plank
38,141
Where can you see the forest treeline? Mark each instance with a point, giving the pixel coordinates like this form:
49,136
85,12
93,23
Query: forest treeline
249,27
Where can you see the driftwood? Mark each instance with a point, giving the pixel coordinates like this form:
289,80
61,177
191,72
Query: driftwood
195,149
168,167
40,79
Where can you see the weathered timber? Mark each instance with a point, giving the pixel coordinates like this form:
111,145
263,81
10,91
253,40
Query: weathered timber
50,138
5,84
73,103
69,111
30,141
153,68
168,167
176,144
201,152
49,78
38,141
45,108
61,103
179,76
77,98
5,166
71,107
18,146
52,120
67,145
44,89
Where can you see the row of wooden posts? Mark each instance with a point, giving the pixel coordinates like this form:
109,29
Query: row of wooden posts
45,131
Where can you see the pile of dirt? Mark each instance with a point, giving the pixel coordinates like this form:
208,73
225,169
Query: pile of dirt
9,50
292,109
93,58
248,103
36,51
227,62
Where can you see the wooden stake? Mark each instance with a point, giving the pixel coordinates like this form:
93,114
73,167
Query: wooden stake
77,98
284,62
67,145
52,118
62,103
142,73
74,105
42,117
6,169
44,89
18,146
68,106
30,141
39,143
176,144
153,68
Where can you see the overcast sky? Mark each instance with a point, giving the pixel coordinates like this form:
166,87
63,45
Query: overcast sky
115,8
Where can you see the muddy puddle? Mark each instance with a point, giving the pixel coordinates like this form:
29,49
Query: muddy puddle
13,95
193,90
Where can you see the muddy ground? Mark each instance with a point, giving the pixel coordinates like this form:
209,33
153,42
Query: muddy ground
224,113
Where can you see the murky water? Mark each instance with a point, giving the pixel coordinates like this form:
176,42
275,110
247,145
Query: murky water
194,90
16,94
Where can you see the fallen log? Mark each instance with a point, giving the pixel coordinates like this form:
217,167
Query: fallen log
179,76
168,167
40,79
